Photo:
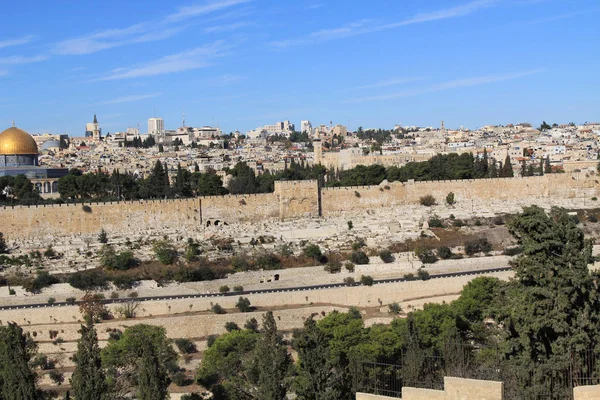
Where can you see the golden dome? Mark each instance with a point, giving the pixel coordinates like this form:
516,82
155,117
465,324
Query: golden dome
17,141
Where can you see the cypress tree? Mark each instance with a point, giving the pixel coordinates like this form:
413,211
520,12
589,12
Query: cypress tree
273,362
152,379
507,170
547,166
88,381
17,381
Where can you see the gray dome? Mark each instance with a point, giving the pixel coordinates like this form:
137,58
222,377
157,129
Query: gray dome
50,144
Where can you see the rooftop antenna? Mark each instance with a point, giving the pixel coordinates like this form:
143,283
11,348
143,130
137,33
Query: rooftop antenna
183,118
13,121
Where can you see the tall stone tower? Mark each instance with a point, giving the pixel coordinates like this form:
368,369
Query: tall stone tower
318,151
96,132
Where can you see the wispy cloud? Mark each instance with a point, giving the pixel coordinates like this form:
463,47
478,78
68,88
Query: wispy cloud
184,61
560,16
386,83
148,31
197,10
363,27
226,79
313,6
129,99
16,42
226,28
453,84
14,60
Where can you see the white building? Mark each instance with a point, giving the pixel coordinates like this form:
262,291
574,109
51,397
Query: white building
278,128
133,132
305,126
156,126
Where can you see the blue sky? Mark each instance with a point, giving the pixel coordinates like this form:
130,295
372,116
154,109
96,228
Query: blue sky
245,63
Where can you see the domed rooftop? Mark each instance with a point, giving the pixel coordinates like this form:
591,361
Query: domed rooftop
47,145
16,141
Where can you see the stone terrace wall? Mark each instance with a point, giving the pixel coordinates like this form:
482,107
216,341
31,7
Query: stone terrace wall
338,200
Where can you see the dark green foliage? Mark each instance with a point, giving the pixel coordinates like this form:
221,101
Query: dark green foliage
224,289
22,191
152,378
42,280
425,255
444,252
17,381
386,256
165,252
243,304
333,266
88,380
103,237
251,324
450,199
231,326
366,280
394,308
359,257
120,261
313,251
477,246
3,245
423,274
512,251
268,261
185,346
435,222
217,309
88,280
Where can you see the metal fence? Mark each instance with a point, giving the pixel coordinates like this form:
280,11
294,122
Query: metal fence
427,369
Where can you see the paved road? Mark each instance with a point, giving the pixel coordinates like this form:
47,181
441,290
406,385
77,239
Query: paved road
258,291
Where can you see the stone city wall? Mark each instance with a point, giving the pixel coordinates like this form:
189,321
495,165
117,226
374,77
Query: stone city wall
291,199
342,199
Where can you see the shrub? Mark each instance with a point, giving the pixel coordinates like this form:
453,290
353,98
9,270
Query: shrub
224,289
243,304
133,295
350,225
71,300
210,340
427,200
409,277
179,378
422,274
217,309
349,280
251,324
238,288
394,308
366,280
333,267
185,346
498,221
231,326
359,244
477,246
114,295
594,198
103,237
592,218
165,252
386,256
444,252
313,251
43,362
121,261
435,222
458,223
359,257
356,193
3,245
57,377
123,282
450,199
50,253
51,300
192,396
268,261
425,255
477,222
349,265
42,280
512,251
240,263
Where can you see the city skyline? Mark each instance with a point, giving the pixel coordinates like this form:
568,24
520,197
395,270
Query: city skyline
241,64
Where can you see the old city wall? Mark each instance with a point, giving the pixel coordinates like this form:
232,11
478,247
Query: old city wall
291,199
339,200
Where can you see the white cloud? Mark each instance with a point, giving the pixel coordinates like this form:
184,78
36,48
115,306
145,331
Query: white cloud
14,60
187,60
149,31
389,82
16,42
457,83
366,26
226,28
129,99
226,79
194,11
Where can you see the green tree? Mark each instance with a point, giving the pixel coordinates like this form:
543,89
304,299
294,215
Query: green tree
547,166
507,170
103,237
17,381
153,379
88,380
164,251
273,362
3,245
313,251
